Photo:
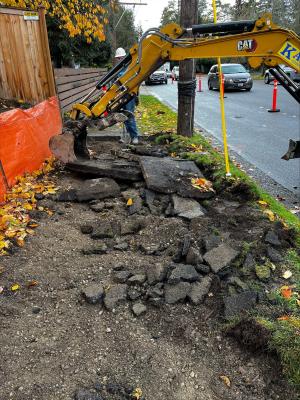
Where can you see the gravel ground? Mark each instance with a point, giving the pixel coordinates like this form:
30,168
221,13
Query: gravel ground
54,343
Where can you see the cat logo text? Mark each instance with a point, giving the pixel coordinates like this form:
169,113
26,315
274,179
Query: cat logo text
248,45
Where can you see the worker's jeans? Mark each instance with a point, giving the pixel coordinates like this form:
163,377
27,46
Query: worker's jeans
130,123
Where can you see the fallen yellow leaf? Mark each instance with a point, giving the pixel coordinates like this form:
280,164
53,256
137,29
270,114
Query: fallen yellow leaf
10,234
137,394
287,274
32,224
4,244
283,318
32,283
270,215
50,191
129,202
15,287
226,380
200,181
27,206
262,203
202,184
20,242
286,292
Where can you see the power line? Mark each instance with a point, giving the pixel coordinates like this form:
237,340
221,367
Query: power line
134,4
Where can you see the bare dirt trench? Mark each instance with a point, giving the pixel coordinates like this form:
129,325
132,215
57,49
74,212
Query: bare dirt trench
56,345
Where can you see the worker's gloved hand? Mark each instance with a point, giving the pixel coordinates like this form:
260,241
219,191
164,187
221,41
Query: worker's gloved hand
137,100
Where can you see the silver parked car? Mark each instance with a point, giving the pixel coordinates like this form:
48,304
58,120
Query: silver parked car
292,73
159,76
235,77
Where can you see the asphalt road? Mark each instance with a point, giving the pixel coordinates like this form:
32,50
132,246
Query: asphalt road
259,137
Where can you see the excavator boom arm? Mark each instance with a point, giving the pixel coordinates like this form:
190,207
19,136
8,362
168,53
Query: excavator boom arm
260,41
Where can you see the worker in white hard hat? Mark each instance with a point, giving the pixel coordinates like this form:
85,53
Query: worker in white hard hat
120,53
130,123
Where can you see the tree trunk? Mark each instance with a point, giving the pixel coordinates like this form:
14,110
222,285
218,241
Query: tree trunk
186,88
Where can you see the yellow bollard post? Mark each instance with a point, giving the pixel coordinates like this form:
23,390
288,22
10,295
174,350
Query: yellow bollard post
223,119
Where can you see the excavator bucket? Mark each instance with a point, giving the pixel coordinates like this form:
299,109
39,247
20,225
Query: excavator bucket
71,145
293,150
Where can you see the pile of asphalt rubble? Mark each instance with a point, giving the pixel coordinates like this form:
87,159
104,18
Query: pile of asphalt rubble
199,267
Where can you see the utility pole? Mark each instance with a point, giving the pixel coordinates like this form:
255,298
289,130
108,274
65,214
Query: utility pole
187,82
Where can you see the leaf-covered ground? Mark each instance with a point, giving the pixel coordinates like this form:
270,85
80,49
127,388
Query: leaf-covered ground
15,220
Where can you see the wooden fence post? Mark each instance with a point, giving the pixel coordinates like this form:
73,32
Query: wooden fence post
46,51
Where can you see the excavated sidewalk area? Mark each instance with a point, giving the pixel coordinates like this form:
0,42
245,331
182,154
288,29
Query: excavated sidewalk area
134,285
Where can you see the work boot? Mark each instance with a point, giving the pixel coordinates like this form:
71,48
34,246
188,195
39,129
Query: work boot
135,140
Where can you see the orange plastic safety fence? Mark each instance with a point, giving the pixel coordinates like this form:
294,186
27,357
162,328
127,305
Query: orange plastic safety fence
24,139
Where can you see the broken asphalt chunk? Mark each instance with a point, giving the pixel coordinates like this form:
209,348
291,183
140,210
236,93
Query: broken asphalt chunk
211,241
114,296
176,293
220,257
202,268
193,256
67,195
139,308
157,202
183,272
155,291
272,238
186,208
97,207
86,229
122,276
117,169
274,255
137,279
166,175
97,189
93,294
133,294
199,290
239,303
99,248
131,227
102,231
187,240
121,246
156,273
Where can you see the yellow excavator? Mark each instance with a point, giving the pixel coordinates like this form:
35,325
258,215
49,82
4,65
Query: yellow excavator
261,41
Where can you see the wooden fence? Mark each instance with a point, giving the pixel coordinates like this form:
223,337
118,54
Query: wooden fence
73,84
25,64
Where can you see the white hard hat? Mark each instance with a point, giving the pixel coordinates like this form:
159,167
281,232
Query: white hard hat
120,52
